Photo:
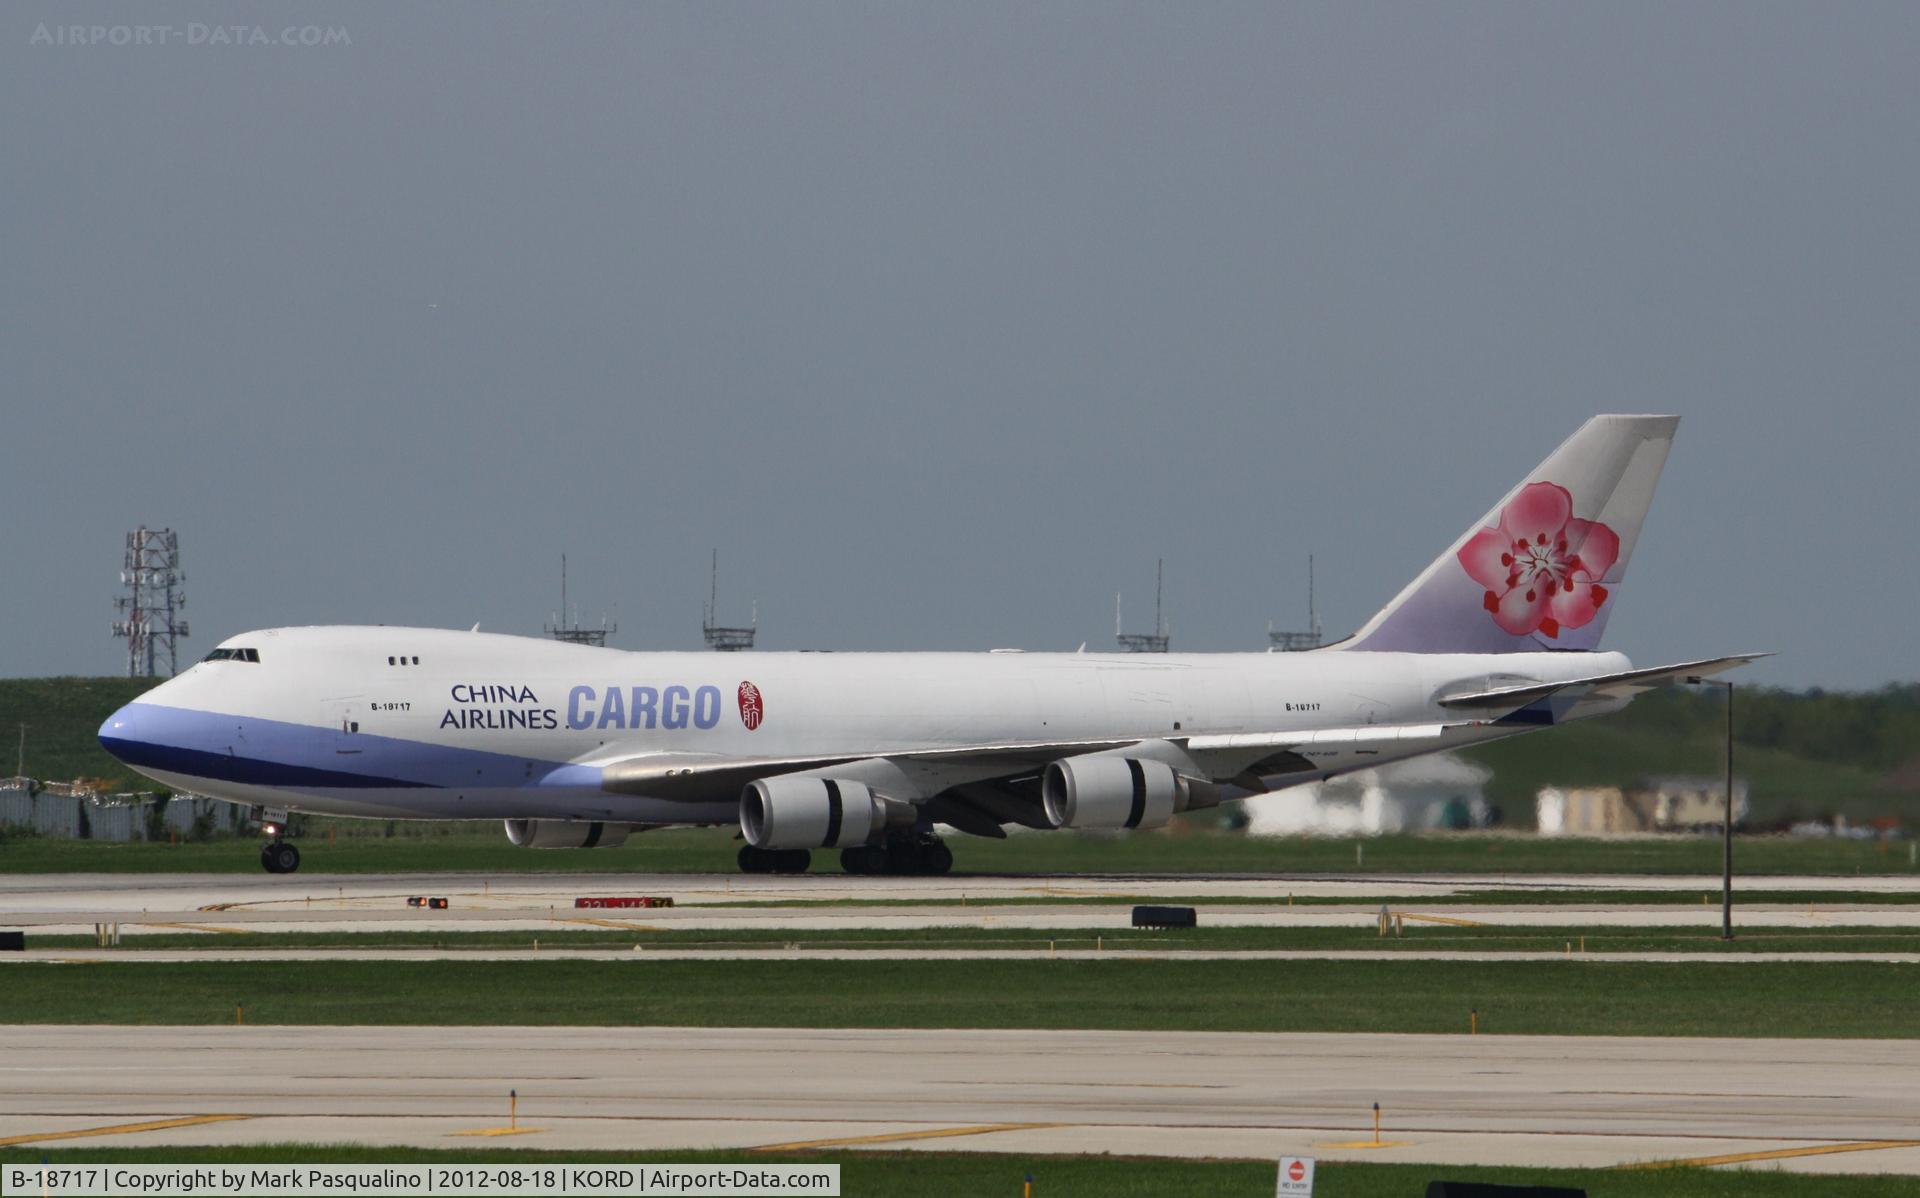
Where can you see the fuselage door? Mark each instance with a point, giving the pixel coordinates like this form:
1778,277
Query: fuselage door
343,718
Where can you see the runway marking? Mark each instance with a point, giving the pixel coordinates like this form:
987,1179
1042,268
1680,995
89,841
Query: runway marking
498,1131
620,924
892,1137
1073,892
119,1129
1777,1154
1446,919
195,927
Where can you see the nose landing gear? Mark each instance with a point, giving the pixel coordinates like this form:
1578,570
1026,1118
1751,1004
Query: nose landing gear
276,856
279,857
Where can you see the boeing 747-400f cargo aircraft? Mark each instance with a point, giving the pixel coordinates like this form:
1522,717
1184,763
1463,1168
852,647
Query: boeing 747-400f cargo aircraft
576,747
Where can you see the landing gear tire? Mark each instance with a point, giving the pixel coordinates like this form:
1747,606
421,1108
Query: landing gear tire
922,854
774,861
939,858
279,857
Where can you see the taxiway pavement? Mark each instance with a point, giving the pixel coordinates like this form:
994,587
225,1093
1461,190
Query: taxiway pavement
1810,1105
67,904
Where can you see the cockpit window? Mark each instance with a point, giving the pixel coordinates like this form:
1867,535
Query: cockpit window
252,655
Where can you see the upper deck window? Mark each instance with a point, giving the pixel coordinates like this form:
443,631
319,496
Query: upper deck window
252,655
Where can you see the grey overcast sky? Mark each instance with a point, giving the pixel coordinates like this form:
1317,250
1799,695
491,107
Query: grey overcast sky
942,322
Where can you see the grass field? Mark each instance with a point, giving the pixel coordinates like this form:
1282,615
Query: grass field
944,1174
1548,998
1618,750
484,849
62,717
1417,937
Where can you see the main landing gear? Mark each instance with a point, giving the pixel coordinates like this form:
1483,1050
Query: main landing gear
279,857
774,861
899,853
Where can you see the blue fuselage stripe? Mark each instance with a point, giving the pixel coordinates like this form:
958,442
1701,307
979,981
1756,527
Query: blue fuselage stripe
276,753
224,767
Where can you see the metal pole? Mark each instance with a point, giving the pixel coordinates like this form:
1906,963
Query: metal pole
1726,855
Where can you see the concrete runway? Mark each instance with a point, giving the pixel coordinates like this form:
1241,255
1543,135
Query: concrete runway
1076,951
1809,1105
67,904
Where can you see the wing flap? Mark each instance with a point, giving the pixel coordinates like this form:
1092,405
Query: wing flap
1298,739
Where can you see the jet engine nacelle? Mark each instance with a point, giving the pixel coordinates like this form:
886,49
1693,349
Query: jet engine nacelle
565,834
1104,791
812,813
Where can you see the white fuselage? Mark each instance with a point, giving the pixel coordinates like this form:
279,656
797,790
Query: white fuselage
342,720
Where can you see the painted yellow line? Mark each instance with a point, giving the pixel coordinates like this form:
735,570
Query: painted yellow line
194,927
499,1131
617,923
120,1129
1778,1154
892,1137
1447,919
1366,1144
1077,892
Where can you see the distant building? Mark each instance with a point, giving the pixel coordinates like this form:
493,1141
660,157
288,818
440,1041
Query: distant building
1667,804
1424,794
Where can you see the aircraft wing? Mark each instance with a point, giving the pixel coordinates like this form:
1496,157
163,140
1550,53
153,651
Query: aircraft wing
1624,683
917,775
907,774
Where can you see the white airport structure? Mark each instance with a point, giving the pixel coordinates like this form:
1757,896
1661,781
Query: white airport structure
1423,794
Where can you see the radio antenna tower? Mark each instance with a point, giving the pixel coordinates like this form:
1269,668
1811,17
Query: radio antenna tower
1146,642
150,610
1297,642
724,640
566,626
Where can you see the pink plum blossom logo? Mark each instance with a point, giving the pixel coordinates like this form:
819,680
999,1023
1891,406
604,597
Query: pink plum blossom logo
1542,567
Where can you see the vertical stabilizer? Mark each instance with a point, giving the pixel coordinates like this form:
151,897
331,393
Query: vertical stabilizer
1544,568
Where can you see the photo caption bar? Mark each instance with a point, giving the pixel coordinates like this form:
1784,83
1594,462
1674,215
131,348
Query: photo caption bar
325,1181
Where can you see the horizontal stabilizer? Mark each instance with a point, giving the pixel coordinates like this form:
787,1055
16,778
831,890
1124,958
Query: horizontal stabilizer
1624,684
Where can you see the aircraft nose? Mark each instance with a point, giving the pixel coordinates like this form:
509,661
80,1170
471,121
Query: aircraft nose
120,727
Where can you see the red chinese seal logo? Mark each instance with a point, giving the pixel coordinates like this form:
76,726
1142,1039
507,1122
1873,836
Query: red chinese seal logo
752,709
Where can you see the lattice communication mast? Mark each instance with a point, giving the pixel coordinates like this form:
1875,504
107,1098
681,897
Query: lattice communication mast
566,623
1161,637
150,616
724,640
1298,642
